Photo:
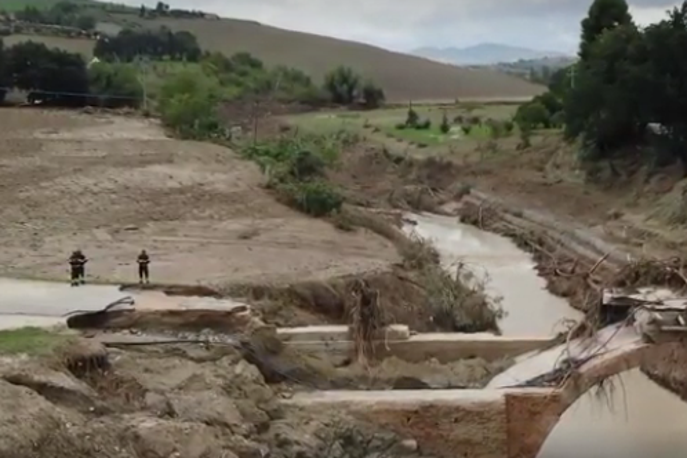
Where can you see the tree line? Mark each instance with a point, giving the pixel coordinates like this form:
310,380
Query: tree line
162,9
62,78
627,91
62,13
163,43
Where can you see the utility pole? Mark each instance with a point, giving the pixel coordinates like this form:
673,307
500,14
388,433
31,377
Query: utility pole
142,63
257,113
571,73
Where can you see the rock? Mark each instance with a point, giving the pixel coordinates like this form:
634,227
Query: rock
156,438
27,419
210,408
58,387
158,404
245,448
408,445
248,382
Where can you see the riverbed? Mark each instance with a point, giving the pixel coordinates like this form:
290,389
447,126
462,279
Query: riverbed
507,271
636,419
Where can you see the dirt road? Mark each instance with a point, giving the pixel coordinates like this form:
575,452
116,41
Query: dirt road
112,185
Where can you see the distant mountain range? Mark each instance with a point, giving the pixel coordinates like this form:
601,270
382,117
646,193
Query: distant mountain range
485,54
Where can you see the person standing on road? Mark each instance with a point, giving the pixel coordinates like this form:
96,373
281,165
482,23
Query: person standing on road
77,267
143,261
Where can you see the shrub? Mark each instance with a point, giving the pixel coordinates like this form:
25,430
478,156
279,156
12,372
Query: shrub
188,104
508,126
558,119
316,198
475,120
342,84
525,136
412,118
372,95
496,129
459,119
115,85
533,114
305,165
445,127
400,126
466,128
424,125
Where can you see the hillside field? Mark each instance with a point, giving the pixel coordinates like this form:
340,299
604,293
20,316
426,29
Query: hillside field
402,76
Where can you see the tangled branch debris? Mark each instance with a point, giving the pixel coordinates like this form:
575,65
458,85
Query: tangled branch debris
366,320
582,281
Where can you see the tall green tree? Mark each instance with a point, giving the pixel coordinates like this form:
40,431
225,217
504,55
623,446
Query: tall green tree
5,81
52,75
663,74
605,106
603,15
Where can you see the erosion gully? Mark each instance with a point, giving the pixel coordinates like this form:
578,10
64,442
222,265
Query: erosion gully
636,420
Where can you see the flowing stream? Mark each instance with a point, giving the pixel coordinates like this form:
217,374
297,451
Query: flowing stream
508,272
637,419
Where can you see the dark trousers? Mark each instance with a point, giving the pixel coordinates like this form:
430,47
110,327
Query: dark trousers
143,272
77,274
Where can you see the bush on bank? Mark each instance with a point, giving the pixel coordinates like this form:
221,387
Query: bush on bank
295,167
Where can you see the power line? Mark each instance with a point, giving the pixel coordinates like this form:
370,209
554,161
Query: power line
76,94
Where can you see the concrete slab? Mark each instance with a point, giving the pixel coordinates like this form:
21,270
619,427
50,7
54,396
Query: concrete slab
38,303
23,297
337,333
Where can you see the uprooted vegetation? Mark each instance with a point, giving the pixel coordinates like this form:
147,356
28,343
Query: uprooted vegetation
576,277
417,292
194,402
671,209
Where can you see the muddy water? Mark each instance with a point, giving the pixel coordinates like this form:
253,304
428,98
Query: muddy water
508,271
637,419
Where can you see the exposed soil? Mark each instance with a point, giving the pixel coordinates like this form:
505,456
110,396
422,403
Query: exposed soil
621,209
113,185
373,176
192,402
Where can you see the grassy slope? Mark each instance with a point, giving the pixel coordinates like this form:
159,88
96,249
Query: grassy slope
404,77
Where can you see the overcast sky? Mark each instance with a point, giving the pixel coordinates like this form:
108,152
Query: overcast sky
403,25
